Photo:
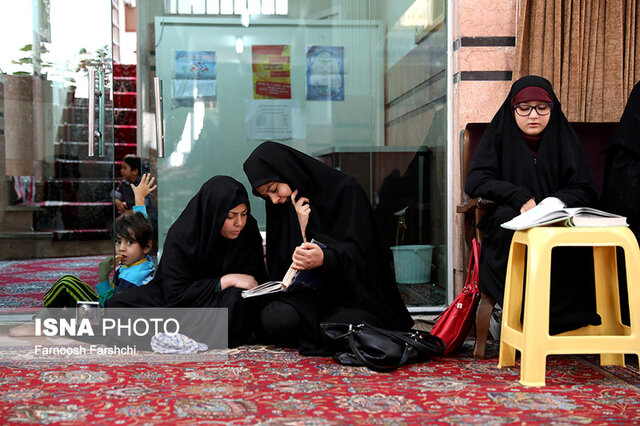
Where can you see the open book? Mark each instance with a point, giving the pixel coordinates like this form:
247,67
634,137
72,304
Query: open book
545,214
293,279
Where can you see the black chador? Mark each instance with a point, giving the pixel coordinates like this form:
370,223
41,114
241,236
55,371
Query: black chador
196,256
510,170
359,283
621,190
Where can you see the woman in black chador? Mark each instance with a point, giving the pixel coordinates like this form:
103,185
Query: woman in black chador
354,267
621,190
530,154
212,252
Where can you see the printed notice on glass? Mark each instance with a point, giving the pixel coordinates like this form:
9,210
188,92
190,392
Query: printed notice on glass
273,119
325,73
194,76
271,71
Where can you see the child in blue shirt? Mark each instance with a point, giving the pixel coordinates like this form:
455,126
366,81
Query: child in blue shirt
133,265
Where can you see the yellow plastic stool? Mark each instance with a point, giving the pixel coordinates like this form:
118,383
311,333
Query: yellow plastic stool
611,339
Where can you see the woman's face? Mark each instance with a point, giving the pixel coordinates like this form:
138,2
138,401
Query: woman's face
235,221
276,192
534,123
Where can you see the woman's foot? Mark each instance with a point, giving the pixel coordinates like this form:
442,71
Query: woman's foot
23,330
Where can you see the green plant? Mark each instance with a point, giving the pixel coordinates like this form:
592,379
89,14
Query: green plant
99,60
34,61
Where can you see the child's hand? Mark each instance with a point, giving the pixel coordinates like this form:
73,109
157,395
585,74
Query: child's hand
105,267
144,188
303,209
121,207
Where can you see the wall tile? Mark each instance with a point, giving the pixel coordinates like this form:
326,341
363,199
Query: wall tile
487,18
479,100
485,58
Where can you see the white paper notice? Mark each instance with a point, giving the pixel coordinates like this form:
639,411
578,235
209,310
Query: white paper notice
273,119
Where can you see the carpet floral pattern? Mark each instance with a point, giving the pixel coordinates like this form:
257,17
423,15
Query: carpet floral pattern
266,385
23,283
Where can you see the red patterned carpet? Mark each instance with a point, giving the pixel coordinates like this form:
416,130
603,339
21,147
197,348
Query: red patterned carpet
258,385
23,283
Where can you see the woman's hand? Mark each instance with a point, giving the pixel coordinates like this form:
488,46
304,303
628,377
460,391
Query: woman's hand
302,209
528,205
144,188
307,256
242,281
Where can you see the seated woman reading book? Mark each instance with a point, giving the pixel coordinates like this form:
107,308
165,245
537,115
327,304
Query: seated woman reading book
212,252
354,267
530,153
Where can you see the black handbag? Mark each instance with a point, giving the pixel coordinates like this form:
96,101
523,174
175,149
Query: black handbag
379,349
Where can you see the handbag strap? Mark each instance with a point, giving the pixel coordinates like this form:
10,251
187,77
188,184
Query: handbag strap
382,368
432,345
473,269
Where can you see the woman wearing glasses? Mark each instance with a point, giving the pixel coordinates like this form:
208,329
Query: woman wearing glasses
529,155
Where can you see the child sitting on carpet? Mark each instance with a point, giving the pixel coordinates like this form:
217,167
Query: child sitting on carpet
133,243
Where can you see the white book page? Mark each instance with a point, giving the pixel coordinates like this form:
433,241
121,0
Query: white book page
588,211
265,288
540,214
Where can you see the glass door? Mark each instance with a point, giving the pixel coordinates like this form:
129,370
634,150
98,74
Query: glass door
346,82
56,129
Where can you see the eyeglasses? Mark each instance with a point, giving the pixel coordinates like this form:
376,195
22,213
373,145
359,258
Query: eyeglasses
524,110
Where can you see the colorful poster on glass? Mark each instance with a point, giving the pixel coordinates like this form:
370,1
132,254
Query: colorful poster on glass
325,73
195,76
271,71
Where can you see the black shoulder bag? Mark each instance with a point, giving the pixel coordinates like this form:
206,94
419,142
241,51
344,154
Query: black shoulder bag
379,349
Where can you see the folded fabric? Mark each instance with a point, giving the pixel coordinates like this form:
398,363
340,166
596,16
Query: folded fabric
24,188
176,344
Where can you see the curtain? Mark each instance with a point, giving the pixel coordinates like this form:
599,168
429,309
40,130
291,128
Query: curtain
588,49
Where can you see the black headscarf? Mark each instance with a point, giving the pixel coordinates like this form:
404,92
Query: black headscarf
341,218
196,255
621,190
504,170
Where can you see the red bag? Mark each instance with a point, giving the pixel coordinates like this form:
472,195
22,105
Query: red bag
454,324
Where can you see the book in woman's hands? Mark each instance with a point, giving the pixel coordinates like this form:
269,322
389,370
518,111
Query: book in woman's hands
293,279
545,214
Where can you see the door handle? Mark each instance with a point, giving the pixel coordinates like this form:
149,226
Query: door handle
101,102
92,132
157,85
92,111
